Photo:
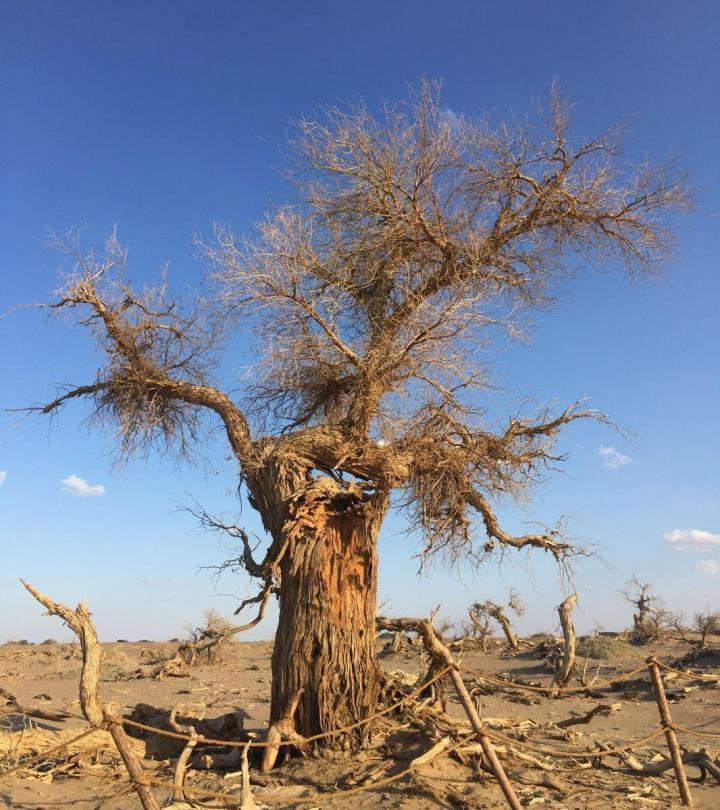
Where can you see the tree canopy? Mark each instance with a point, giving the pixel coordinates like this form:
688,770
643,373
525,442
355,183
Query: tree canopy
413,240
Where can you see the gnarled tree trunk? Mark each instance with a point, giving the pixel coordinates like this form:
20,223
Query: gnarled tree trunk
324,664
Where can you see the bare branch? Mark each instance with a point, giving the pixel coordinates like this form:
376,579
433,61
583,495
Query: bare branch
415,244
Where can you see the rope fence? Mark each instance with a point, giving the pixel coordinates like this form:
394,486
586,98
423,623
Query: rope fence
409,698
652,666
692,676
552,688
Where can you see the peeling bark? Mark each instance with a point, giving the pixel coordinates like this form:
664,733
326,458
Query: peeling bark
325,643
567,665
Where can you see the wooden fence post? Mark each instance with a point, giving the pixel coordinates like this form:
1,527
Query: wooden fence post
487,746
441,653
113,718
667,724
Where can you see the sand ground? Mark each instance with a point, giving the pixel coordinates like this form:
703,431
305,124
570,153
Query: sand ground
46,677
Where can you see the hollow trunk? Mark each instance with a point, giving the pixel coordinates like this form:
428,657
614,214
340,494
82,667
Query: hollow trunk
325,641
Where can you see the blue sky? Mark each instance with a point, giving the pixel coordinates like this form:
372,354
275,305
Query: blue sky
164,117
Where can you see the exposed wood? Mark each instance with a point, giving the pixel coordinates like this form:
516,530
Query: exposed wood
481,628
432,753
220,760
667,723
8,703
325,643
282,730
437,649
80,622
497,612
113,718
567,665
526,777
247,800
181,764
701,759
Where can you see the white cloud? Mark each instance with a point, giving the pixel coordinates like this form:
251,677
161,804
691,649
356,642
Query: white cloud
74,485
451,117
692,540
3,476
613,458
708,567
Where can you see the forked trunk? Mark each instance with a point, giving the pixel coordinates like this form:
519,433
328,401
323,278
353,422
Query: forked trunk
325,642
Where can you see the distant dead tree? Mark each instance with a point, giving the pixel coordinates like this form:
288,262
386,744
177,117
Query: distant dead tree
647,622
216,628
478,627
704,624
480,611
415,240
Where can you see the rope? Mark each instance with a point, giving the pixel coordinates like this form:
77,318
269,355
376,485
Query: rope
689,674
324,794
573,689
559,754
710,735
411,768
157,782
394,777
48,752
540,749
344,730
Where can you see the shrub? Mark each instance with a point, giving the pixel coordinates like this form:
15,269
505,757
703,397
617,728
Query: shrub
600,647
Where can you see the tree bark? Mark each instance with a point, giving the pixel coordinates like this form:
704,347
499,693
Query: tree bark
325,642
504,622
567,666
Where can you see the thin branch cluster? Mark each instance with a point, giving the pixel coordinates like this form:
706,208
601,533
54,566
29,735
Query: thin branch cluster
418,241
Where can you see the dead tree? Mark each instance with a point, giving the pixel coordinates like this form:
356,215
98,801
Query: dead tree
480,628
706,624
97,714
703,625
649,619
497,612
567,665
413,240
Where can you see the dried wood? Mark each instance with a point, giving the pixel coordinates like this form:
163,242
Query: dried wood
437,649
282,730
82,625
670,736
567,665
181,764
701,759
80,622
